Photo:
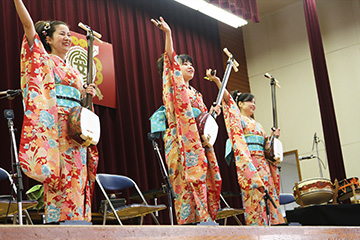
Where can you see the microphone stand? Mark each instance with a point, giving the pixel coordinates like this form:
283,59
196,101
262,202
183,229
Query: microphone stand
268,197
9,115
316,142
169,189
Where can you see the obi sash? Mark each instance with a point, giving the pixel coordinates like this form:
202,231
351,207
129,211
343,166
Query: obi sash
67,96
254,143
158,121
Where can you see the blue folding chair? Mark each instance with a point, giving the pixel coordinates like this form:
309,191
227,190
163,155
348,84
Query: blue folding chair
116,183
8,204
286,198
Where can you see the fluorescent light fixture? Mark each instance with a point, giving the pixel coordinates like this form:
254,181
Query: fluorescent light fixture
214,12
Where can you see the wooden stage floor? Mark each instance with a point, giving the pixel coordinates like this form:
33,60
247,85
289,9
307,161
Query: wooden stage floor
29,232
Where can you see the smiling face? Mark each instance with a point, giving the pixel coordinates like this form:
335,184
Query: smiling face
247,108
60,42
187,71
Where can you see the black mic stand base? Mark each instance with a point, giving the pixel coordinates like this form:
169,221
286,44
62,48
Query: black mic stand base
9,115
169,189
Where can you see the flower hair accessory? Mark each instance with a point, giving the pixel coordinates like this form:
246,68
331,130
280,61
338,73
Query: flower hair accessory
46,28
237,96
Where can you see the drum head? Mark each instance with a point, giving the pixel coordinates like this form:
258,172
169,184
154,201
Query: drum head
345,188
278,150
347,195
314,191
211,129
90,125
316,197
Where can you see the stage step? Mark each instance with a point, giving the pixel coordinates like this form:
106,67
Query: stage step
147,232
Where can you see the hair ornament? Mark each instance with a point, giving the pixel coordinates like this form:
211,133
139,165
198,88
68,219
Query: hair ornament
47,26
237,96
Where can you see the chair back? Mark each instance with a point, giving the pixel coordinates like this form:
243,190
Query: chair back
113,182
4,174
286,198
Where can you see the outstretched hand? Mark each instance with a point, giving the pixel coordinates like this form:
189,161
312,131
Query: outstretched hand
211,76
161,24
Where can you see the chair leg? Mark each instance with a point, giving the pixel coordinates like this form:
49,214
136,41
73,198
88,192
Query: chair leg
105,213
225,221
107,198
228,206
28,217
142,220
155,219
145,202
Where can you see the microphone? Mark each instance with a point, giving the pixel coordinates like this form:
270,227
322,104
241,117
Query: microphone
11,92
267,196
9,114
307,157
152,136
316,138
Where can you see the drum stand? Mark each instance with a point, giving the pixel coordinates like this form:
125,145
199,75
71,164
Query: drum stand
169,190
266,198
9,115
335,191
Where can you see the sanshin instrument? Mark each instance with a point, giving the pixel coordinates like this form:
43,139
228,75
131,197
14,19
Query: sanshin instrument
274,152
206,123
84,124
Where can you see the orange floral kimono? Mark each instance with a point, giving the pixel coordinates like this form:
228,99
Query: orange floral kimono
253,170
193,171
47,154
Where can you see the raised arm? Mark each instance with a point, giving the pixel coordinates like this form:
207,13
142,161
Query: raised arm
161,24
26,21
216,80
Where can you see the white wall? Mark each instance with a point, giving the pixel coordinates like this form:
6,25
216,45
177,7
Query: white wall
279,45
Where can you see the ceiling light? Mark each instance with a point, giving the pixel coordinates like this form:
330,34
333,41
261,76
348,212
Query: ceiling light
214,12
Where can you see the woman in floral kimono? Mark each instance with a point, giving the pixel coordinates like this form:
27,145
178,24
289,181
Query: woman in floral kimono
246,143
192,165
50,89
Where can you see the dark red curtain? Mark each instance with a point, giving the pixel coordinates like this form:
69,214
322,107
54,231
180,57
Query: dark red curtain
331,135
246,9
124,147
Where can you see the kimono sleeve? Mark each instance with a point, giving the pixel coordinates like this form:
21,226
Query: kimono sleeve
38,151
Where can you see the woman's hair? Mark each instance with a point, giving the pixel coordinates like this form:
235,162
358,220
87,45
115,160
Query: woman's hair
182,58
241,97
160,65
47,28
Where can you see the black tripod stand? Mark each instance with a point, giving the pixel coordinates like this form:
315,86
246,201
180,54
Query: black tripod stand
266,198
169,190
9,115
